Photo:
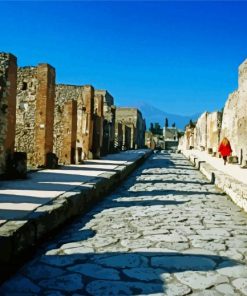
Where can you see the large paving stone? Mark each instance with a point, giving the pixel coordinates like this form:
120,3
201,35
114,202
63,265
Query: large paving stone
100,287
181,263
241,285
96,271
143,274
69,283
122,261
226,289
201,280
42,271
230,270
176,289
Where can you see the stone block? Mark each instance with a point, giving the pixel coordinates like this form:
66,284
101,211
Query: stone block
16,165
51,160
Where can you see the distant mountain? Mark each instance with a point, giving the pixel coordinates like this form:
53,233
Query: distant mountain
153,114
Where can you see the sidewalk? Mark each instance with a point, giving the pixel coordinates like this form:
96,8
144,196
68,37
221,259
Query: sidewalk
231,178
32,208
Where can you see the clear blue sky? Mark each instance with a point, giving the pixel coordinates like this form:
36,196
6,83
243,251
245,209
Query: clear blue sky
182,57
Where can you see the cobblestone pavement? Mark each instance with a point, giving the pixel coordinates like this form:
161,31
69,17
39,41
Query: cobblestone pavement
164,231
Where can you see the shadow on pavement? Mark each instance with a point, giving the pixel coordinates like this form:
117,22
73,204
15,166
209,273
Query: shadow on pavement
111,273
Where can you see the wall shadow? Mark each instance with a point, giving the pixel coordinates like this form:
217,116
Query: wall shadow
112,273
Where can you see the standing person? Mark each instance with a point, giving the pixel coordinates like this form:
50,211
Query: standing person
225,149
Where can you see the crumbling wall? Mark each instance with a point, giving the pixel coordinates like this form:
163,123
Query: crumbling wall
8,77
201,132
132,118
109,112
234,121
84,96
35,113
65,94
213,131
118,136
27,85
98,120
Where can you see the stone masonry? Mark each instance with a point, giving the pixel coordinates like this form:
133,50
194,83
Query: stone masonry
118,136
98,125
87,121
132,118
234,122
84,98
69,124
35,113
165,231
8,76
201,132
213,131
109,121
211,128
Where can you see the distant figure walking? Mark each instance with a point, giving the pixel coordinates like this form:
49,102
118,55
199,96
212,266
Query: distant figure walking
225,149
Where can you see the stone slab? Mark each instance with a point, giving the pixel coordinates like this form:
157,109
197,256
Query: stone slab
34,207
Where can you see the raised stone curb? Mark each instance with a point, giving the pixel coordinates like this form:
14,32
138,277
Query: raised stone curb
18,237
232,187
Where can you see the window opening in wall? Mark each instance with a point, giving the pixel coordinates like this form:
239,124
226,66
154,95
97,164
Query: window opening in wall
24,85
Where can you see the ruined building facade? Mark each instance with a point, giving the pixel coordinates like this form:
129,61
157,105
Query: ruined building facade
109,114
234,121
80,129
8,74
133,127
44,124
35,113
212,127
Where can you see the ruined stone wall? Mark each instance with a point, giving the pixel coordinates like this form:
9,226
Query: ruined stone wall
68,136
234,120
213,131
140,131
98,125
35,112
127,143
201,132
27,85
128,117
8,77
132,118
118,136
109,121
87,119
44,113
65,94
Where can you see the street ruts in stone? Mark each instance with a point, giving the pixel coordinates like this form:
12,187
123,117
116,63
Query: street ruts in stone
165,231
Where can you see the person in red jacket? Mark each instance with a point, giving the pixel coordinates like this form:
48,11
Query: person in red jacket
225,149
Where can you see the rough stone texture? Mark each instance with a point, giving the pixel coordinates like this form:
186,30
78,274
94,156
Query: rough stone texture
109,112
132,118
204,134
68,146
149,140
8,77
234,122
44,113
139,240
201,132
98,121
35,113
213,131
118,136
84,96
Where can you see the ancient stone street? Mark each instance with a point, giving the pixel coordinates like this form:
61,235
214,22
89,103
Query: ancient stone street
165,231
